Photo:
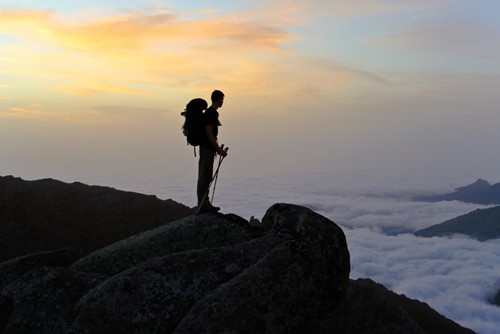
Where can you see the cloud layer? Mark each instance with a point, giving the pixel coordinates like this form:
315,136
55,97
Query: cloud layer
456,276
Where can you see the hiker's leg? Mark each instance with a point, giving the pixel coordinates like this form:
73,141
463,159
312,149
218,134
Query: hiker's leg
205,172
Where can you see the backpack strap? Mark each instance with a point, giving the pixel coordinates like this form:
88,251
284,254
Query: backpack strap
194,148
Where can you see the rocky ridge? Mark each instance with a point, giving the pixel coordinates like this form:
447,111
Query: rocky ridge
43,215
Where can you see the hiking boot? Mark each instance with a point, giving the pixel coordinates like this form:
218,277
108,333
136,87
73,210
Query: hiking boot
208,208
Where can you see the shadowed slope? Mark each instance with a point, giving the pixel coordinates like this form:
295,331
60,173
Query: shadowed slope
47,214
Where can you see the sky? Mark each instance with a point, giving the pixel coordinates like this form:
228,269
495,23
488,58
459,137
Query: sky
348,107
90,90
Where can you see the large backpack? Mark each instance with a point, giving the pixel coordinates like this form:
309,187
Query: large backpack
194,128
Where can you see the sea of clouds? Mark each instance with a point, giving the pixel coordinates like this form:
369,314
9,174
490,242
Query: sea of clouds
456,276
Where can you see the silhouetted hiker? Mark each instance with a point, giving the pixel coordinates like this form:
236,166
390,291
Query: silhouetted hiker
209,147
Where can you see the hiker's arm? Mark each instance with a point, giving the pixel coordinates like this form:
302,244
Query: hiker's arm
213,141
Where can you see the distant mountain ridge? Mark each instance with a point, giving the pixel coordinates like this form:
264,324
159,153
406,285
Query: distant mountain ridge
481,224
43,215
479,192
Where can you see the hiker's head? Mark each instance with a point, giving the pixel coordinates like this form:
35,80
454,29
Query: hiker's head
217,98
197,104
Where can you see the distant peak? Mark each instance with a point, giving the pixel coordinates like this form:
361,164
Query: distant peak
479,184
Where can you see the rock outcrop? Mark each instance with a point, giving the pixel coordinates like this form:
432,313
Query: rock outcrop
183,235
237,279
211,273
43,299
43,215
13,269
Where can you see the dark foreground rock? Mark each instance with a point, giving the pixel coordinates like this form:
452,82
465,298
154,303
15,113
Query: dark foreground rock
268,281
183,235
369,308
44,298
43,215
13,269
5,312
211,273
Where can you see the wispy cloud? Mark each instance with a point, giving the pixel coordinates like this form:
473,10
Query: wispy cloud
452,37
30,112
157,49
99,89
138,53
134,32
348,8
146,53
132,112
15,19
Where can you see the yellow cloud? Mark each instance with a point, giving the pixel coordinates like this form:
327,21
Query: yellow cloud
164,58
32,112
12,20
133,32
135,45
99,88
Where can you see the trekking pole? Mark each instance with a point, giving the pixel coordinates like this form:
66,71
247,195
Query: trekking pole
216,178
216,175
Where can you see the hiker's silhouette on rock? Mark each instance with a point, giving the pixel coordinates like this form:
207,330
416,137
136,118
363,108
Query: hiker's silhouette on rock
202,128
